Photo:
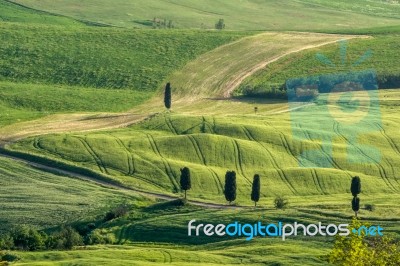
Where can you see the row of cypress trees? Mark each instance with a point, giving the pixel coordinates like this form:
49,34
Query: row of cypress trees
230,187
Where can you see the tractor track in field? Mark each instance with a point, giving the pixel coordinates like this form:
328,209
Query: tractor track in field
381,169
130,157
238,160
168,168
317,182
393,145
116,186
280,172
389,139
167,256
200,155
138,176
169,124
329,157
285,143
96,158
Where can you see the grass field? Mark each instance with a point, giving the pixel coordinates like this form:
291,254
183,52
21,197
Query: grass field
41,74
10,12
89,99
228,65
21,102
383,59
148,156
172,245
100,57
305,15
44,200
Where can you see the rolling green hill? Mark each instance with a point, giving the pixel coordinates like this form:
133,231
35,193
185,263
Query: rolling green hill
44,200
148,156
52,69
383,58
79,98
10,12
305,15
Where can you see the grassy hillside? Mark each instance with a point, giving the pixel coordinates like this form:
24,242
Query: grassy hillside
220,71
148,156
383,59
106,58
62,70
21,102
244,15
10,12
172,245
43,200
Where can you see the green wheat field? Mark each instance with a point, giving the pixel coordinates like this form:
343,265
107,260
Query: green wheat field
83,127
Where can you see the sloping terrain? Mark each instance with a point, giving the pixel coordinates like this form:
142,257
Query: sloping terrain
305,15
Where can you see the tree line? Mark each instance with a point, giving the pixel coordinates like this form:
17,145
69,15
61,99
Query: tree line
230,187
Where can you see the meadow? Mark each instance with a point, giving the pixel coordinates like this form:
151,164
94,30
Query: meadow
277,146
305,15
10,12
47,69
45,200
88,100
382,58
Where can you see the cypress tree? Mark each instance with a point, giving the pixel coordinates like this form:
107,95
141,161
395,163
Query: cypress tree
167,96
255,189
185,181
230,186
355,189
355,186
355,205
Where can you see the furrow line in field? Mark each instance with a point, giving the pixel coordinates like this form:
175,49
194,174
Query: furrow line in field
317,181
130,157
389,139
238,160
200,155
329,157
168,168
381,169
170,125
280,172
93,154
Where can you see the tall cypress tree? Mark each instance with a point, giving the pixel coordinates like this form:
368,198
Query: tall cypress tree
230,186
255,189
355,205
355,189
167,96
185,181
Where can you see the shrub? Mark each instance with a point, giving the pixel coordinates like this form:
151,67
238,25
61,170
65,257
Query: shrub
119,211
9,257
66,238
97,237
26,238
280,202
370,207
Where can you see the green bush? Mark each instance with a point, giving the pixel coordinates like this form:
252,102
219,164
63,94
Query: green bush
280,202
9,257
118,211
370,207
27,238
